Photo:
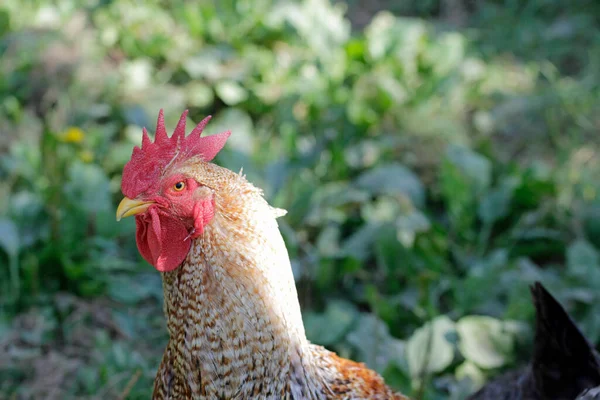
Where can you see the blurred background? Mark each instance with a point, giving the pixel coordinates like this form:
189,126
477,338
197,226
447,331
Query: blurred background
435,157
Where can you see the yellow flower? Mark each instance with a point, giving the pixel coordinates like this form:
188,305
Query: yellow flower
73,135
86,156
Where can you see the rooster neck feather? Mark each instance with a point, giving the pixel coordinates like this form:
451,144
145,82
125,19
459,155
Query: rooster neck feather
233,315
232,309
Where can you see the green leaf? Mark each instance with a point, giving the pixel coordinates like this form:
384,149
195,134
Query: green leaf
9,237
581,255
401,38
199,94
591,222
4,21
137,74
393,179
383,209
329,327
429,349
5,325
335,194
327,202
583,262
207,64
496,203
363,154
41,327
474,166
377,348
458,196
9,241
468,370
485,341
171,98
88,188
328,241
231,92
132,289
319,23
360,244
241,126
120,152
446,54
409,225
27,211
380,34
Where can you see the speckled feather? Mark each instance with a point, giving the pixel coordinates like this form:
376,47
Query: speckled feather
233,315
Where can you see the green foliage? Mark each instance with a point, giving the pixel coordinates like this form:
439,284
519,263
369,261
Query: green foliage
428,349
430,175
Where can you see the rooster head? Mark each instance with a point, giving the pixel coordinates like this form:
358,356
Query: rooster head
171,207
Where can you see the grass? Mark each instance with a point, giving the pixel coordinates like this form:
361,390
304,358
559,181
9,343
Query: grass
432,168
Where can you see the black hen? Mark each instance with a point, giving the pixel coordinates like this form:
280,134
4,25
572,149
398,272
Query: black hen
564,363
590,394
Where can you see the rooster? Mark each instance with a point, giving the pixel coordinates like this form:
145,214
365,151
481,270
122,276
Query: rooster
564,363
233,317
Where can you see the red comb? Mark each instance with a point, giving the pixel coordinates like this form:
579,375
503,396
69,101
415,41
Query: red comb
148,163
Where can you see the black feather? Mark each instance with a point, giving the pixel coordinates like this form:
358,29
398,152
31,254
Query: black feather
563,365
590,394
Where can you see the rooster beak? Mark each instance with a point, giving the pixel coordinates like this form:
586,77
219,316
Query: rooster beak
128,207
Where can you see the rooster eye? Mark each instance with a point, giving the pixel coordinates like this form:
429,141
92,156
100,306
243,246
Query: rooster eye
179,186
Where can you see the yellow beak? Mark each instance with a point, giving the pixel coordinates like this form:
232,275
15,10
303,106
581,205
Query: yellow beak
128,207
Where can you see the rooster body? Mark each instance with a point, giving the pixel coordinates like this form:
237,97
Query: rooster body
233,316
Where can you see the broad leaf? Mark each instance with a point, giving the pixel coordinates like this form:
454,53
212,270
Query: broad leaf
393,179
241,126
329,327
231,92
582,259
88,188
485,341
473,165
9,237
429,348
496,203
377,348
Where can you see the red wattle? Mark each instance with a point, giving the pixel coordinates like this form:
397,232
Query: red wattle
161,240
203,212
